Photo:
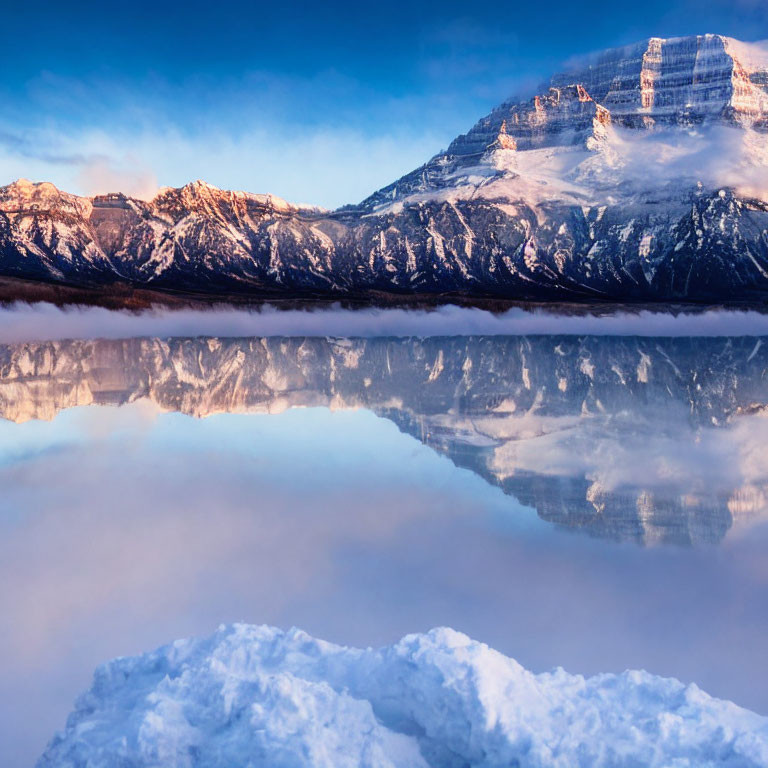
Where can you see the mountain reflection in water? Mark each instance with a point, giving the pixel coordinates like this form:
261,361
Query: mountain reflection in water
656,440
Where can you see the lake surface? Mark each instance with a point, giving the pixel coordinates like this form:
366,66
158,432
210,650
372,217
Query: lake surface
595,502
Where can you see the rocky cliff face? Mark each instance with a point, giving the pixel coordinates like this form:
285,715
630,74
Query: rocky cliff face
641,173
681,83
651,440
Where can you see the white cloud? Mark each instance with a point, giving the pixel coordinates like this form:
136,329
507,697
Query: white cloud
715,156
327,140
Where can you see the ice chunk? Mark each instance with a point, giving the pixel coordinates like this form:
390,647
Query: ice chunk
257,696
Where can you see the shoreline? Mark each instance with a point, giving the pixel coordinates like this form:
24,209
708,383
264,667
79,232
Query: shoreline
134,298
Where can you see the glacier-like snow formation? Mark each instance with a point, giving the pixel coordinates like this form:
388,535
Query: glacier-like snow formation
250,696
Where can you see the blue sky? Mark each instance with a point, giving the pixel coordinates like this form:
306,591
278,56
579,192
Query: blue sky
316,102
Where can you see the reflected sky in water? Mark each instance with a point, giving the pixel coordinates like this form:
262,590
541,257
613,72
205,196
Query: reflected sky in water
593,503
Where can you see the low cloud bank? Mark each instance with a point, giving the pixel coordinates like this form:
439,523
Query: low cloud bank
45,322
717,156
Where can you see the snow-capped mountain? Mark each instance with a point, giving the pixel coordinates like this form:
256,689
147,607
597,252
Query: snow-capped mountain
253,696
639,174
655,440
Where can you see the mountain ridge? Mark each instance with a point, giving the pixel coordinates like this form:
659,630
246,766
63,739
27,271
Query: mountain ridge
640,175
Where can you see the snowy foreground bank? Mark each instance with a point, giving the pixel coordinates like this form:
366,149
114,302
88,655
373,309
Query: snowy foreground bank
252,696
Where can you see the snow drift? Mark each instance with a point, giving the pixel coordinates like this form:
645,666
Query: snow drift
257,696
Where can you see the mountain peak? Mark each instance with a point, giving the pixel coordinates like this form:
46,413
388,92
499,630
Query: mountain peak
657,84
28,189
24,194
676,81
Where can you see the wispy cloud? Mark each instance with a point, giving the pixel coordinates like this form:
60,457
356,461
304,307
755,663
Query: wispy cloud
25,146
325,139
322,167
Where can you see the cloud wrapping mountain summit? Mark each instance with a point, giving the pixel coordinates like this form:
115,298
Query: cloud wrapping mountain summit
639,174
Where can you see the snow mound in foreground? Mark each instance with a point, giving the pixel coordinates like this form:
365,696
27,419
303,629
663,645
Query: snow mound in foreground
251,696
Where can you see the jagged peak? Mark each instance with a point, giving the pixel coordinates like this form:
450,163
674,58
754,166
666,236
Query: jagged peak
664,81
199,185
656,84
200,189
24,186
196,193
23,194
754,52
656,81
676,80
192,194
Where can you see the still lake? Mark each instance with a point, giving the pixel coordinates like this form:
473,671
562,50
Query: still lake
594,502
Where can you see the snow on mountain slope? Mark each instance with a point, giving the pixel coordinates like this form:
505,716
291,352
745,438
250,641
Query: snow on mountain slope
640,173
255,696
686,84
